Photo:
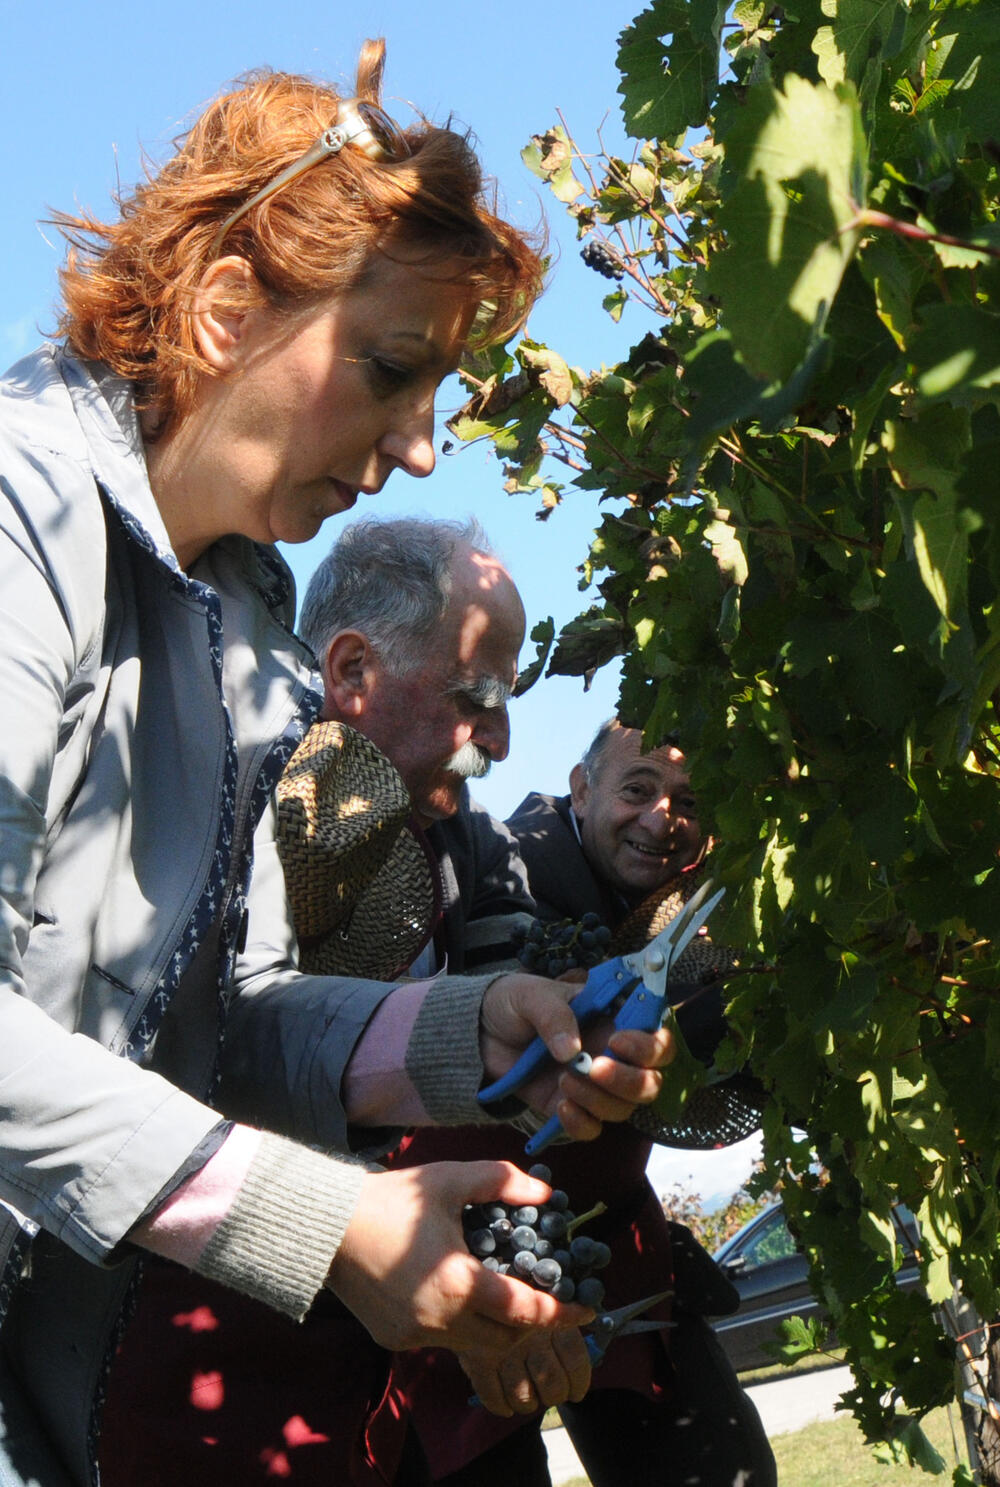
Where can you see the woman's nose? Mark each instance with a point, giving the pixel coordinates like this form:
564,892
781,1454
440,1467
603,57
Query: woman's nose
410,444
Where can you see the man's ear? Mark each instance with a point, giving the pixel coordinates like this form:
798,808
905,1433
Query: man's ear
223,312
349,669
579,790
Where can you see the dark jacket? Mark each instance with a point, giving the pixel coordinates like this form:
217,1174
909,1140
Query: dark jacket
483,884
562,883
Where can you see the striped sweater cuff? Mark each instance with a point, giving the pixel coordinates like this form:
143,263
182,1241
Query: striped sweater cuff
443,1059
278,1239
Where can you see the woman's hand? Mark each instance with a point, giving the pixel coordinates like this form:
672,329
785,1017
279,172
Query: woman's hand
543,1369
404,1270
517,1008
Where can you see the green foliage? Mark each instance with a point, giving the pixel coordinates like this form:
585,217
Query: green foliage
677,40
795,166
800,1337
800,562
833,1451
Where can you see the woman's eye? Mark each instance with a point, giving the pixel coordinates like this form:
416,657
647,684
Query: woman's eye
389,376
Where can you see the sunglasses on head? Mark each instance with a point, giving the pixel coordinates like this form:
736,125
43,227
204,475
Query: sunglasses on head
359,123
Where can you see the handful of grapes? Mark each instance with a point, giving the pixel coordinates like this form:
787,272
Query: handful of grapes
540,1245
549,949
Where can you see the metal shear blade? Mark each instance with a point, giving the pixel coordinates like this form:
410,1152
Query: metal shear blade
653,963
621,1323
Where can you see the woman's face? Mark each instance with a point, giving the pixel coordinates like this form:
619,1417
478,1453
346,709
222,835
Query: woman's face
316,409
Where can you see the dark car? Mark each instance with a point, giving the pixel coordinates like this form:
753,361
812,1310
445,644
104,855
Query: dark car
772,1277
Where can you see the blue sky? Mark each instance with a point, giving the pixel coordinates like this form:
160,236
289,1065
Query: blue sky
87,88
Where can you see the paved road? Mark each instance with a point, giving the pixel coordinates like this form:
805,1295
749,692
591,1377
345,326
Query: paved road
784,1405
789,1404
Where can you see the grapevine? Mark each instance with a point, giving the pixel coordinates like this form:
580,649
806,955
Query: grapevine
798,561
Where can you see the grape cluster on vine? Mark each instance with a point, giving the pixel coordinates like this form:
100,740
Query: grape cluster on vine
549,949
599,255
539,1244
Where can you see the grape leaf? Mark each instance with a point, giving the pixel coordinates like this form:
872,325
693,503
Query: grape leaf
798,1338
924,455
550,156
542,634
667,85
958,347
847,47
970,38
909,1446
553,373
798,160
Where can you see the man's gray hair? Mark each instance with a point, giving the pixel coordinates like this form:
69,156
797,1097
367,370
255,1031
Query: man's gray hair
594,755
392,581
593,759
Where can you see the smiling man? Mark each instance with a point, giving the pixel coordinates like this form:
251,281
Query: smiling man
628,825
625,832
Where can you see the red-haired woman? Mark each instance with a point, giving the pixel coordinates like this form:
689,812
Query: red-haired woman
253,344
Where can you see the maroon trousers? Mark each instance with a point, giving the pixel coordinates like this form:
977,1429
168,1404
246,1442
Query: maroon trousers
214,1390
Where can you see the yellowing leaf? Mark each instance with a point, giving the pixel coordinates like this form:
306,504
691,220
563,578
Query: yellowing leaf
550,156
554,374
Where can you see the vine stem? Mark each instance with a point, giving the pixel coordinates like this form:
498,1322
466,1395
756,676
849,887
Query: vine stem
558,432
626,463
736,452
646,206
584,1218
562,455
869,217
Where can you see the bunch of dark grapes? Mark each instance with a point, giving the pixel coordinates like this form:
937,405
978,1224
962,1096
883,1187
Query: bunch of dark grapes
564,945
597,254
540,1245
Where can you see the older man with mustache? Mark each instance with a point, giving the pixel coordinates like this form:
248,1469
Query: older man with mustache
417,628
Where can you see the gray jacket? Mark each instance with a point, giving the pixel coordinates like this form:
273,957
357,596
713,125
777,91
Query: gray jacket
148,714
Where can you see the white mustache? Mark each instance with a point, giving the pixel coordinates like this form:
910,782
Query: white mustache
470,762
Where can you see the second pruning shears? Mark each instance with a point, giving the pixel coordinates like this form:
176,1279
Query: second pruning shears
630,988
608,1325
621,1322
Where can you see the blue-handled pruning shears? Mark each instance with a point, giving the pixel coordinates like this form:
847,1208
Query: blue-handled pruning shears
621,1323
632,988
